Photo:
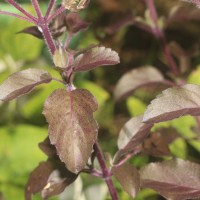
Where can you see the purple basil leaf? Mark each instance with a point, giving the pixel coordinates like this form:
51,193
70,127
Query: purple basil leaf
74,23
94,57
177,13
174,102
75,5
38,178
136,78
57,183
157,143
48,148
22,82
32,30
128,177
131,135
173,179
195,2
72,128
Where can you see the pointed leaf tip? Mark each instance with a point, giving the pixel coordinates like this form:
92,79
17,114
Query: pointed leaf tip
173,179
128,177
95,57
131,136
173,103
72,128
22,82
135,79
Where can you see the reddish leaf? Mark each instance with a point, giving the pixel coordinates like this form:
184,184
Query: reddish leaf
157,143
128,177
32,30
132,134
74,23
94,57
57,183
50,177
174,102
173,179
38,178
47,148
135,79
195,2
22,82
75,5
72,128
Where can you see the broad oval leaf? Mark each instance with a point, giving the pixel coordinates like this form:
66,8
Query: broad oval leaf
94,57
136,78
131,136
38,178
72,128
50,178
22,82
128,177
174,102
173,179
75,5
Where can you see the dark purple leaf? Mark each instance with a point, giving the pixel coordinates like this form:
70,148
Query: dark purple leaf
75,5
173,179
131,136
38,178
177,13
22,82
97,56
32,30
74,23
128,177
136,78
72,128
174,102
57,183
195,2
157,143
47,148
50,177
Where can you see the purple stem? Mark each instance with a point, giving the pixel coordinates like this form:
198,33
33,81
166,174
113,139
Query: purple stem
18,7
48,37
106,173
69,35
37,8
17,16
56,13
160,36
49,9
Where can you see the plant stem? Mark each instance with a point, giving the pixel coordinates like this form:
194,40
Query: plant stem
37,8
56,13
17,16
18,7
106,173
48,37
158,32
49,9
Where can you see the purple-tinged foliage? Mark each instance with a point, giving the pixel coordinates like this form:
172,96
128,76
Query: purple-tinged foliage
72,128
173,179
22,82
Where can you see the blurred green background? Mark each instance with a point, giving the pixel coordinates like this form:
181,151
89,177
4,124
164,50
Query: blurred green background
22,126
